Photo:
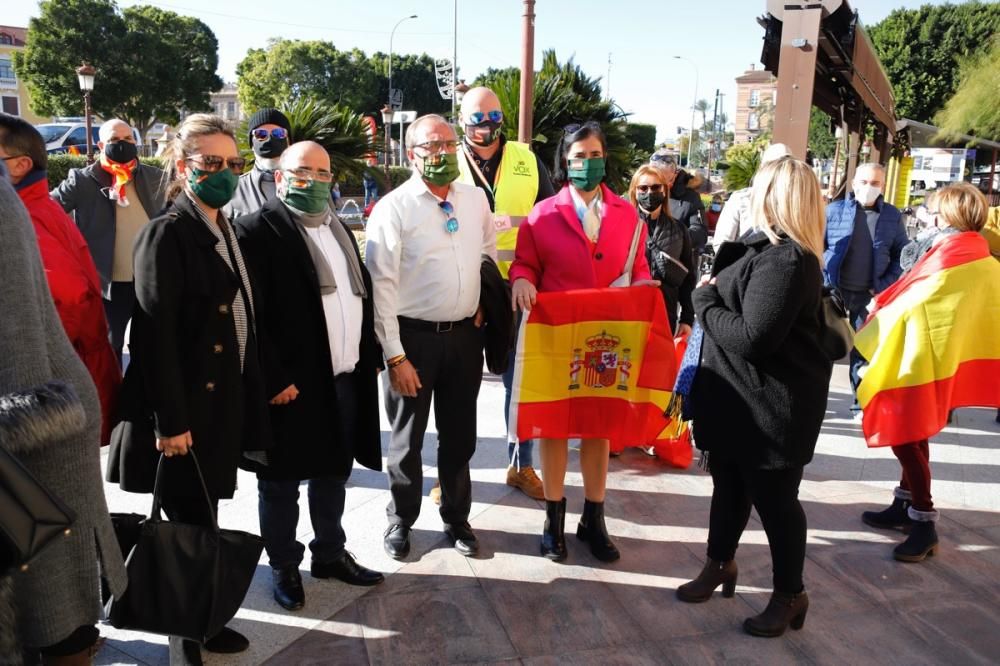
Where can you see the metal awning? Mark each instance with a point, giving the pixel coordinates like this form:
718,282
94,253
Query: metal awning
922,134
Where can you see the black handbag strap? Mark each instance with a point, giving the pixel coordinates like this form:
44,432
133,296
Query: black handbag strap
155,512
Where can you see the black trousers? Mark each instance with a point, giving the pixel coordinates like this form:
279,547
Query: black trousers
450,366
775,495
118,311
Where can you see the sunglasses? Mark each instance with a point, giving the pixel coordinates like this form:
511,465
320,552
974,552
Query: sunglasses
308,175
649,188
451,225
477,118
278,133
573,128
663,159
212,163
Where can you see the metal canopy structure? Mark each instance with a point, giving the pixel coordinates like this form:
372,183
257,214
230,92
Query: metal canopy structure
822,56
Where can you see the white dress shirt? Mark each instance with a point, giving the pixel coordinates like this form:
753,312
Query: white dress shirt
420,270
342,308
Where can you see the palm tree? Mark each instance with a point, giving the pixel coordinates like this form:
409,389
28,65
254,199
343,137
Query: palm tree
702,106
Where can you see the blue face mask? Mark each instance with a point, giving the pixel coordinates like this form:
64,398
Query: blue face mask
716,208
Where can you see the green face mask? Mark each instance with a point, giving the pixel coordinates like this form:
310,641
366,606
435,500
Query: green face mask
587,177
215,189
312,199
442,173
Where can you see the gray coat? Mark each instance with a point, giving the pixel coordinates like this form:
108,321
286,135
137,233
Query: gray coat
60,590
84,196
249,197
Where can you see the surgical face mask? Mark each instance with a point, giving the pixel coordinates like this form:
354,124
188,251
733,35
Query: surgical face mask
121,152
866,194
585,173
312,197
716,207
215,189
440,169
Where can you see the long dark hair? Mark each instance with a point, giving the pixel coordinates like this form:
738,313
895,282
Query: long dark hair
572,134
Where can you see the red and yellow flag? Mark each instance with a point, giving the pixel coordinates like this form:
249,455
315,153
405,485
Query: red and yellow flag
933,343
594,363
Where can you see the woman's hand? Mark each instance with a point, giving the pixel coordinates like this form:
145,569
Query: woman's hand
706,280
522,295
646,283
286,396
178,445
405,380
683,331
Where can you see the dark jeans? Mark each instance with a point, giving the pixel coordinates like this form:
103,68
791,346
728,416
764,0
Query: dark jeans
371,193
279,519
451,370
525,450
857,303
914,458
775,495
118,311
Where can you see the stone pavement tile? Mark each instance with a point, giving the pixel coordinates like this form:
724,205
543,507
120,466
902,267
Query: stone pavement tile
731,646
438,569
339,640
622,655
109,656
966,628
440,627
138,648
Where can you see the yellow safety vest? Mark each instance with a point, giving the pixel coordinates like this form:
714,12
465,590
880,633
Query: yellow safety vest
514,192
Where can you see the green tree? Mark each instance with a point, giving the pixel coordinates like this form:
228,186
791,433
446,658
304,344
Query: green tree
742,162
975,107
414,76
921,50
642,135
150,62
822,141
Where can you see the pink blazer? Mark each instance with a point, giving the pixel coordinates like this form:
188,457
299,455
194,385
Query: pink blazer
554,254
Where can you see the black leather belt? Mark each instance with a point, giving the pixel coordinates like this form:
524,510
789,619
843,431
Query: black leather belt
434,326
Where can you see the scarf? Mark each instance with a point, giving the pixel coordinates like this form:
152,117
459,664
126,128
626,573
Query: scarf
121,175
324,273
680,400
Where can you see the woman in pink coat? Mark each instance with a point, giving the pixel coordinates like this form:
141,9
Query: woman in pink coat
578,239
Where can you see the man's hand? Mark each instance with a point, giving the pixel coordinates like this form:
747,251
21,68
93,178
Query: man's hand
286,396
178,445
480,317
705,280
405,380
522,295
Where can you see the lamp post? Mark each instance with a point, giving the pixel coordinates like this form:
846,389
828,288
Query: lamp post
391,35
387,150
86,75
693,104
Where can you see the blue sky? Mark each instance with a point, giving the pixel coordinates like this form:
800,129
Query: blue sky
720,36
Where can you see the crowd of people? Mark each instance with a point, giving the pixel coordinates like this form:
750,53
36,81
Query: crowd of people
257,334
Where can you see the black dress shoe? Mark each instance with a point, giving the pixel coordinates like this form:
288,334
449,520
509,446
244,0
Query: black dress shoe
227,641
347,569
397,541
288,590
463,538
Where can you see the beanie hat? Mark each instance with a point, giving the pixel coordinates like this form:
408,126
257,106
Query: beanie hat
268,116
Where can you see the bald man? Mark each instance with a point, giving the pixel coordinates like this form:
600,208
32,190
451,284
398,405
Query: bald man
321,360
514,180
110,201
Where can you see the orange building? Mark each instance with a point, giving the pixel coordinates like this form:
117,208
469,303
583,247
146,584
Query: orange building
13,93
756,92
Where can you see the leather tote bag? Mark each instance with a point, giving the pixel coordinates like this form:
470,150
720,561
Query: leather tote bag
185,580
836,336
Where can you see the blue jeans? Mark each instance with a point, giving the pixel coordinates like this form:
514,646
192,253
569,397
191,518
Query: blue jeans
526,450
279,518
371,193
857,303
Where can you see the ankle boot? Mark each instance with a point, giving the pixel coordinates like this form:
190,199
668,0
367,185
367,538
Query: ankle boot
593,530
712,576
783,610
894,517
554,533
923,539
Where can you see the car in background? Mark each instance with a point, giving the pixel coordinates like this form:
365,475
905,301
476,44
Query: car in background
69,135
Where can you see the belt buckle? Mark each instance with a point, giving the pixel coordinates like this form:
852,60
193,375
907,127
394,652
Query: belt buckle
438,326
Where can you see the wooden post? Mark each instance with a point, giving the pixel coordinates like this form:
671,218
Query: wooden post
525,116
797,76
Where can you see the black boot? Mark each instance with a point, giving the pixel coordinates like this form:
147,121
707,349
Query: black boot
712,576
554,533
894,517
592,530
923,539
783,610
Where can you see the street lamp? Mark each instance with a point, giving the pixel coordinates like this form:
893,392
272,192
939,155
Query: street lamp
386,127
86,75
693,104
391,35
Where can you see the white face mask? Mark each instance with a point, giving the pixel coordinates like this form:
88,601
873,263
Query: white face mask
866,194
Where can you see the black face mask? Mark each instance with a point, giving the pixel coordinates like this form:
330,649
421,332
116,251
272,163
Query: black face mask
649,201
491,138
121,152
269,147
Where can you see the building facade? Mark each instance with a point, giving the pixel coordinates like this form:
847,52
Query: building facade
14,98
226,105
756,94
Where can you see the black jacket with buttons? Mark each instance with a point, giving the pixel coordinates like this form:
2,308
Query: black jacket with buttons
184,370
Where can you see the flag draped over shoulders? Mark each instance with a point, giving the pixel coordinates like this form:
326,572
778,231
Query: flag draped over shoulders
933,343
594,363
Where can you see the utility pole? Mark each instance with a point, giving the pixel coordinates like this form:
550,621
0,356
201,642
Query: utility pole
607,82
454,68
525,115
715,130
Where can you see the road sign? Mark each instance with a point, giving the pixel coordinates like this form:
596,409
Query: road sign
404,117
396,99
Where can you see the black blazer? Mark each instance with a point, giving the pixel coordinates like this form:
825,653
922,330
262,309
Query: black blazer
308,435
498,316
759,397
184,371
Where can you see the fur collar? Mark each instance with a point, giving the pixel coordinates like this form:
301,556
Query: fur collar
37,417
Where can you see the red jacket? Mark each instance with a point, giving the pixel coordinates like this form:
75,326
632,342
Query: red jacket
554,254
76,291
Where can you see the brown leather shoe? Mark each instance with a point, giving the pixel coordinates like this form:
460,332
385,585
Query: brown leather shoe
783,611
526,481
435,493
712,576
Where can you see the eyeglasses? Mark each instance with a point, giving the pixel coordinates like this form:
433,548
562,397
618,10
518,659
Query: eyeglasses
278,133
451,224
308,175
432,148
573,128
649,188
212,163
495,116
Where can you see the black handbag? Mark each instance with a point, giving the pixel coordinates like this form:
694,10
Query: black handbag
185,580
836,337
30,516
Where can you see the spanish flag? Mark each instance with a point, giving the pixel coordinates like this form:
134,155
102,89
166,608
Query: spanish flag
594,363
933,343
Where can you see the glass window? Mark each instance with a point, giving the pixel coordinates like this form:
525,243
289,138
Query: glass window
6,69
754,99
51,133
753,122
6,38
11,106
77,137
231,110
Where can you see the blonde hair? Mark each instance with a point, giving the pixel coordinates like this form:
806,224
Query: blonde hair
962,206
785,197
185,144
649,170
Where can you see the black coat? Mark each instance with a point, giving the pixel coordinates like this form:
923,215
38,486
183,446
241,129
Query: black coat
676,294
498,316
184,371
308,443
759,397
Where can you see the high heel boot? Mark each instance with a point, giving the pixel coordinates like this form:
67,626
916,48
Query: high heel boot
712,576
783,610
554,534
593,530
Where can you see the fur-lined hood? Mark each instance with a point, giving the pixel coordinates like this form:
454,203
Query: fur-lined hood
33,418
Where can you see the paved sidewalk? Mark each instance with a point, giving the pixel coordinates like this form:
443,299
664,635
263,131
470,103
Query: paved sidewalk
512,606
